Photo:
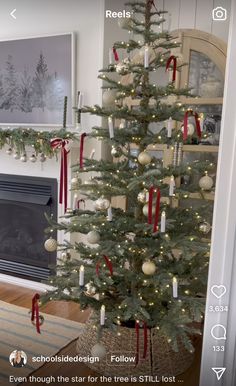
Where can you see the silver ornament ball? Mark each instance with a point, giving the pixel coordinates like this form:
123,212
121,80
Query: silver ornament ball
204,227
145,210
206,182
190,129
109,97
93,237
102,204
143,197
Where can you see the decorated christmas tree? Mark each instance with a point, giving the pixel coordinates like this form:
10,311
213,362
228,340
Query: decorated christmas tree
143,265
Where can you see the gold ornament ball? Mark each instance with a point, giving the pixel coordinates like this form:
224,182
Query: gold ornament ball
206,182
144,158
190,130
145,210
109,97
148,268
101,204
98,350
204,227
93,237
50,245
143,197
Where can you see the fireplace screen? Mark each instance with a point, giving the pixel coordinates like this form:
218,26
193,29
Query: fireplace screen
23,204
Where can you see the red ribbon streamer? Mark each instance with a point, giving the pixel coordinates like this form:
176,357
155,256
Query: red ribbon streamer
108,264
150,200
198,126
157,208
158,201
81,150
59,143
145,340
173,59
116,57
35,311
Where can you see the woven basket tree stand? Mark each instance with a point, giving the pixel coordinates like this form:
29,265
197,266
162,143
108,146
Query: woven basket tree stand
160,359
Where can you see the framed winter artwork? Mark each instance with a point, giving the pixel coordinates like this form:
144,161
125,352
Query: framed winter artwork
35,75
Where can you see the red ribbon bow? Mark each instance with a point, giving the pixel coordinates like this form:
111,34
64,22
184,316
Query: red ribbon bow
81,155
35,311
108,264
115,53
59,143
198,126
173,59
145,340
157,208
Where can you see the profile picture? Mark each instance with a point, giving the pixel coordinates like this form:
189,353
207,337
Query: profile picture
18,358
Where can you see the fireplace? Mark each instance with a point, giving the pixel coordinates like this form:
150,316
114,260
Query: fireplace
23,203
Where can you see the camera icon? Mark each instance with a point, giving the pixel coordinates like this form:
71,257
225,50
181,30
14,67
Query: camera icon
219,14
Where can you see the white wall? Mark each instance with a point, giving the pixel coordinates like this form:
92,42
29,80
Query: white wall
196,14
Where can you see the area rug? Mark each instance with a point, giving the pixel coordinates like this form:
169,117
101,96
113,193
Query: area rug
17,333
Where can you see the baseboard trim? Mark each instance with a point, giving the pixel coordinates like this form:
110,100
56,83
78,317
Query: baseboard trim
24,283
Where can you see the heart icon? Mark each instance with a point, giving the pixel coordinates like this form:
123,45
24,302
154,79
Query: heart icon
218,291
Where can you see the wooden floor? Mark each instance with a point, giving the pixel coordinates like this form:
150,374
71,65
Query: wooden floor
22,297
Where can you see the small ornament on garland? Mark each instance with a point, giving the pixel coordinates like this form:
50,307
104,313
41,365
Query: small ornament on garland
204,227
90,290
98,351
144,158
123,67
33,158
149,268
102,204
9,151
115,152
50,245
23,158
36,319
206,182
93,237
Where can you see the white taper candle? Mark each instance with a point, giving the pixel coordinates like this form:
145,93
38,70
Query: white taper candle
146,57
75,201
92,154
169,127
81,276
102,315
80,101
175,287
163,221
111,127
172,186
109,214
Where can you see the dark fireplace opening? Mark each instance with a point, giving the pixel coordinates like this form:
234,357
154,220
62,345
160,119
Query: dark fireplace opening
23,203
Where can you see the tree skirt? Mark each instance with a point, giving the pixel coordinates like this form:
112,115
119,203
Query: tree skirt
17,333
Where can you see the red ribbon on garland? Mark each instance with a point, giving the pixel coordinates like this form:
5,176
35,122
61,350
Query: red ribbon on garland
108,264
81,155
173,59
35,311
157,208
115,53
145,340
198,126
59,143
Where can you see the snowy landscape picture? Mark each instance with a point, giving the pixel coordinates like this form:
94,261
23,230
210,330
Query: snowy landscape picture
35,76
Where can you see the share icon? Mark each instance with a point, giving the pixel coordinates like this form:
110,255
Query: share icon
219,371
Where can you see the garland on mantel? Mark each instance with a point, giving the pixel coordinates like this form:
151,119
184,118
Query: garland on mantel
21,141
